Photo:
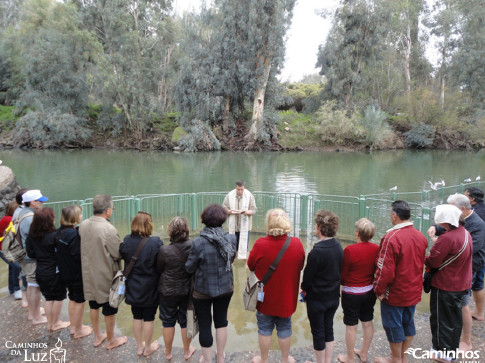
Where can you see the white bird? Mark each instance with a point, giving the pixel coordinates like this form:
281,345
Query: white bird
477,179
443,183
432,185
393,188
467,180
0,162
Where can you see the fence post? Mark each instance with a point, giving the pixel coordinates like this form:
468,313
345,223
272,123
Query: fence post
462,188
303,212
181,204
361,206
271,202
426,220
193,214
136,206
424,195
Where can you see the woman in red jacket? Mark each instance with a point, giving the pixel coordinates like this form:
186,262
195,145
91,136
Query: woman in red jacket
281,290
358,297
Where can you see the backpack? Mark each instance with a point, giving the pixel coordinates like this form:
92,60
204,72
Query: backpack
11,245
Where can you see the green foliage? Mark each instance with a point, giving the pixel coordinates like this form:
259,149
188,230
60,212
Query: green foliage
199,138
45,130
6,113
336,127
178,133
420,136
375,127
297,130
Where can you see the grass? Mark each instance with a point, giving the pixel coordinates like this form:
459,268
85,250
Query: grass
6,113
297,130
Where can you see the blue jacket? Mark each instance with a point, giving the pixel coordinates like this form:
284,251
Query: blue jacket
213,274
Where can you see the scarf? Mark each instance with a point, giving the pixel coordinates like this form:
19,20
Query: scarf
216,237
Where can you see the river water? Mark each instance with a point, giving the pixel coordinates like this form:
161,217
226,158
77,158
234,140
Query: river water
81,174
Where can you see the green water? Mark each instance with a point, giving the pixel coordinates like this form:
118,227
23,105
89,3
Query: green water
66,175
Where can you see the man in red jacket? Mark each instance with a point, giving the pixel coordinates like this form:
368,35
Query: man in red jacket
399,279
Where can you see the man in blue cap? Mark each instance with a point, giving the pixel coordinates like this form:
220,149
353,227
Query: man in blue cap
33,200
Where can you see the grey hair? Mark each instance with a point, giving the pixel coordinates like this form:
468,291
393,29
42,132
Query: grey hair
459,200
101,203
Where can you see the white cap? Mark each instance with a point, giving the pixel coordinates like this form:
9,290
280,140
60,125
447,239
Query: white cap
34,194
447,213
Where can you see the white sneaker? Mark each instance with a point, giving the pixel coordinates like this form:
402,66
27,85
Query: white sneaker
18,295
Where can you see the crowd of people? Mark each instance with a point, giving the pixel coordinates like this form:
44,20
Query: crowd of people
79,259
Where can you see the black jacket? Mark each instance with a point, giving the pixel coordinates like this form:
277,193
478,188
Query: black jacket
321,277
141,283
174,280
44,252
68,254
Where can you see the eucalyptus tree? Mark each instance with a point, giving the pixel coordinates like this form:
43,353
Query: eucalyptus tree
57,59
136,75
352,45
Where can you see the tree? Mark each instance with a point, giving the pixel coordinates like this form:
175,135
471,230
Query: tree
352,44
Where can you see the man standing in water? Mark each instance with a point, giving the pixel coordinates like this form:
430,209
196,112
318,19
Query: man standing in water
100,260
398,280
240,206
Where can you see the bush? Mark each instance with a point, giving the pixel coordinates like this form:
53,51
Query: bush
44,130
199,137
335,127
420,136
375,127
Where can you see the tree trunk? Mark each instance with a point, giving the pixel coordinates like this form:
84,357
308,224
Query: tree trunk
258,104
407,61
226,116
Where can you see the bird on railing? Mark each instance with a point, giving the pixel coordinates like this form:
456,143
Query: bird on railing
393,188
467,180
435,186
478,178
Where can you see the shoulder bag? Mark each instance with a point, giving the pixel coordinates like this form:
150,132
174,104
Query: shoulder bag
254,285
117,291
428,276
192,321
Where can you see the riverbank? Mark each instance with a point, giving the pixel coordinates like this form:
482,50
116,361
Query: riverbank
22,342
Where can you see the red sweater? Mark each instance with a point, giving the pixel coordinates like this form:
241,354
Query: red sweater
281,291
359,264
400,265
4,222
457,276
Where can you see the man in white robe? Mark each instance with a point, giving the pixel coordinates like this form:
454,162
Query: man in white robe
240,206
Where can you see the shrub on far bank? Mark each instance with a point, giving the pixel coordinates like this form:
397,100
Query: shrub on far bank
45,130
420,136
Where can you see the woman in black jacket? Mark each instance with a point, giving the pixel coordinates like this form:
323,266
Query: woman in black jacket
142,282
210,260
174,285
68,255
41,245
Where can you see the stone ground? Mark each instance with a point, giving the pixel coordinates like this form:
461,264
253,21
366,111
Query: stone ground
15,330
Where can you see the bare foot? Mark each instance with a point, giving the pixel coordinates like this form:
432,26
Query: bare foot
60,325
342,358
383,360
190,354
151,349
167,356
362,357
291,359
465,347
476,316
41,320
256,359
222,359
72,331
98,340
83,332
24,304
42,311
116,342
139,350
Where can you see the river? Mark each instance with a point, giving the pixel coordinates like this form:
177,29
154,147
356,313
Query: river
81,174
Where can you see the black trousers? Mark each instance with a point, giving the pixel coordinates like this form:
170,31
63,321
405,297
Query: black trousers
204,309
446,319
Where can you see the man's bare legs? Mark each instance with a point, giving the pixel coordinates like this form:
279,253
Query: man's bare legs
99,336
110,329
398,354
52,311
285,350
479,297
264,345
76,311
466,333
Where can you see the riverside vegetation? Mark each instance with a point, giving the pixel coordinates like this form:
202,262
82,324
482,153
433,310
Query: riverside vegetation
133,74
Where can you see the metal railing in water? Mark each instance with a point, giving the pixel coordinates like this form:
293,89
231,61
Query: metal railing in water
299,207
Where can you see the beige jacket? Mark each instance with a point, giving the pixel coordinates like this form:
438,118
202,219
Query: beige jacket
100,257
